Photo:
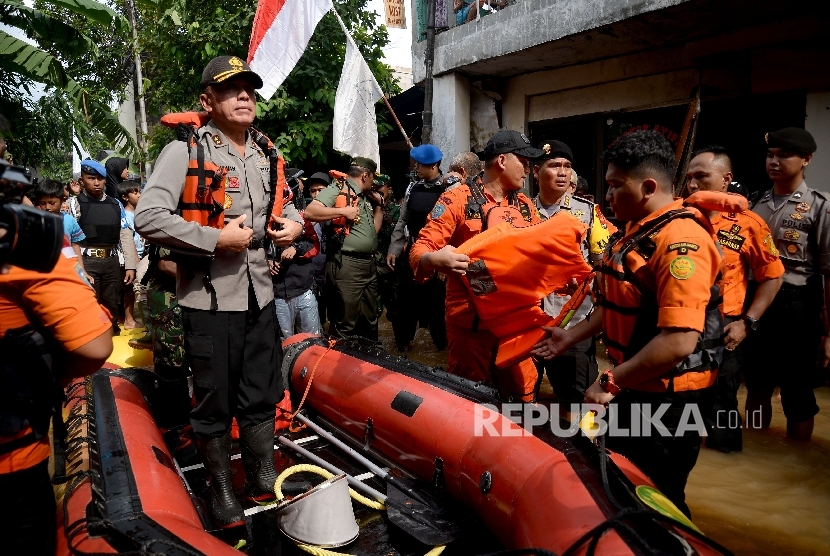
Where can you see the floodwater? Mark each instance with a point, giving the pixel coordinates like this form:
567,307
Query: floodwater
771,499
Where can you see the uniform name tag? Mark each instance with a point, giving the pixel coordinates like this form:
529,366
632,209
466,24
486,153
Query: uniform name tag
731,240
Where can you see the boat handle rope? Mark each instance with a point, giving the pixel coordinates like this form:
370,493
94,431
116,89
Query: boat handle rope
308,468
331,343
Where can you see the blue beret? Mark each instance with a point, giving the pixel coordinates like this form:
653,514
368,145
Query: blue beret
426,154
93,167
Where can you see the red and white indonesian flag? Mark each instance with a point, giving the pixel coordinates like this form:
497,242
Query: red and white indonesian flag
282,29
355,129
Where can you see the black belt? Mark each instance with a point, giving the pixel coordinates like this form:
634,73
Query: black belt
257,244
358,255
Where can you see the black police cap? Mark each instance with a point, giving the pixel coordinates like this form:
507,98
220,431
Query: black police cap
223,68
792,139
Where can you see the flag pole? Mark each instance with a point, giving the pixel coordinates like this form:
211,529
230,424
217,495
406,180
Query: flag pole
397,121
385,100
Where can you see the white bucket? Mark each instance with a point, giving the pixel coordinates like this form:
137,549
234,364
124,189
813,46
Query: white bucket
323,516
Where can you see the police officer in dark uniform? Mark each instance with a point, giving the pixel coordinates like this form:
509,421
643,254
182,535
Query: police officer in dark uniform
800,224
104,222
422,303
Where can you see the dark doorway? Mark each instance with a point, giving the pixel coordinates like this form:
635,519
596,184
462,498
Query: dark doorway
739,124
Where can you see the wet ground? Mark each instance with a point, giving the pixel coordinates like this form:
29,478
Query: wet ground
773,498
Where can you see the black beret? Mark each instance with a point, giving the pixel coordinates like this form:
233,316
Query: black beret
556,149
792,139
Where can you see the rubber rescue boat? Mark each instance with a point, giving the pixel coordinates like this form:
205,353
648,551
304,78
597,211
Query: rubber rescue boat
446,467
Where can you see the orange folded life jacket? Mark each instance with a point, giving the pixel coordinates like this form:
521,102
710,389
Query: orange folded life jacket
513,269
341,226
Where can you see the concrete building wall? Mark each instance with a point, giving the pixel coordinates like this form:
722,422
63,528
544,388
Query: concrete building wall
523,25
451,116
818,123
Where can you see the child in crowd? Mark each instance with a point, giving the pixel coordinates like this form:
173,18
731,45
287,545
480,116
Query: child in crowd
129,192
49,196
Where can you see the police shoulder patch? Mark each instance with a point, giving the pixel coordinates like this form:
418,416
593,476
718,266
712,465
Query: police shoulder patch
682,267
438,210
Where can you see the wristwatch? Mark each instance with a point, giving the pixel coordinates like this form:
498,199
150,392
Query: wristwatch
606,382
751,322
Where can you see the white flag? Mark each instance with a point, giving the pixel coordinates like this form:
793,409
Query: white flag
78,154
280,35
355,127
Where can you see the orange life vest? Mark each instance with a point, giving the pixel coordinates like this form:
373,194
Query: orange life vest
635,308
203,197
481,214
341,226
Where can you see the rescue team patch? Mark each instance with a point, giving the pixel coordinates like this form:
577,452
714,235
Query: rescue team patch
683,247
771,245
233,182
731,240
438,210
682,267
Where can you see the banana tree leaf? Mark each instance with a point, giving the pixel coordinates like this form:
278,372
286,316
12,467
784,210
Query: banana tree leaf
89,113
47,29
29,61
97,12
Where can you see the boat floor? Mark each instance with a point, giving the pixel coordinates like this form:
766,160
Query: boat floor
377,537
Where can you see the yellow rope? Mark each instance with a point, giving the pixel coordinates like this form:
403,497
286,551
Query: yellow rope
308,468
304,467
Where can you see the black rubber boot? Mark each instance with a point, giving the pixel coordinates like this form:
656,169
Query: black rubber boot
216,455
257,445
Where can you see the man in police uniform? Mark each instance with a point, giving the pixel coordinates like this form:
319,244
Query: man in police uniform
422,302
351,274
571,373
800,224
657,307
232,350
747,250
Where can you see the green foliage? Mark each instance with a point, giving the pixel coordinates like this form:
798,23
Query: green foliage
67,62
178,39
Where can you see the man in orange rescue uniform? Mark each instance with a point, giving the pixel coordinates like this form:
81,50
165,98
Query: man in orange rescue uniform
460,214
658,301
747,247
59,305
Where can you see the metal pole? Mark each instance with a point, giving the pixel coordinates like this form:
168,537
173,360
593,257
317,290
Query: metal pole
397,121
142,109
429,57
354,483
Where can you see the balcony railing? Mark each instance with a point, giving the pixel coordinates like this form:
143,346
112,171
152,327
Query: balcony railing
452,13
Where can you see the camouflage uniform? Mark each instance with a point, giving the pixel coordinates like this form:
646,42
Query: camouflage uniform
168,345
